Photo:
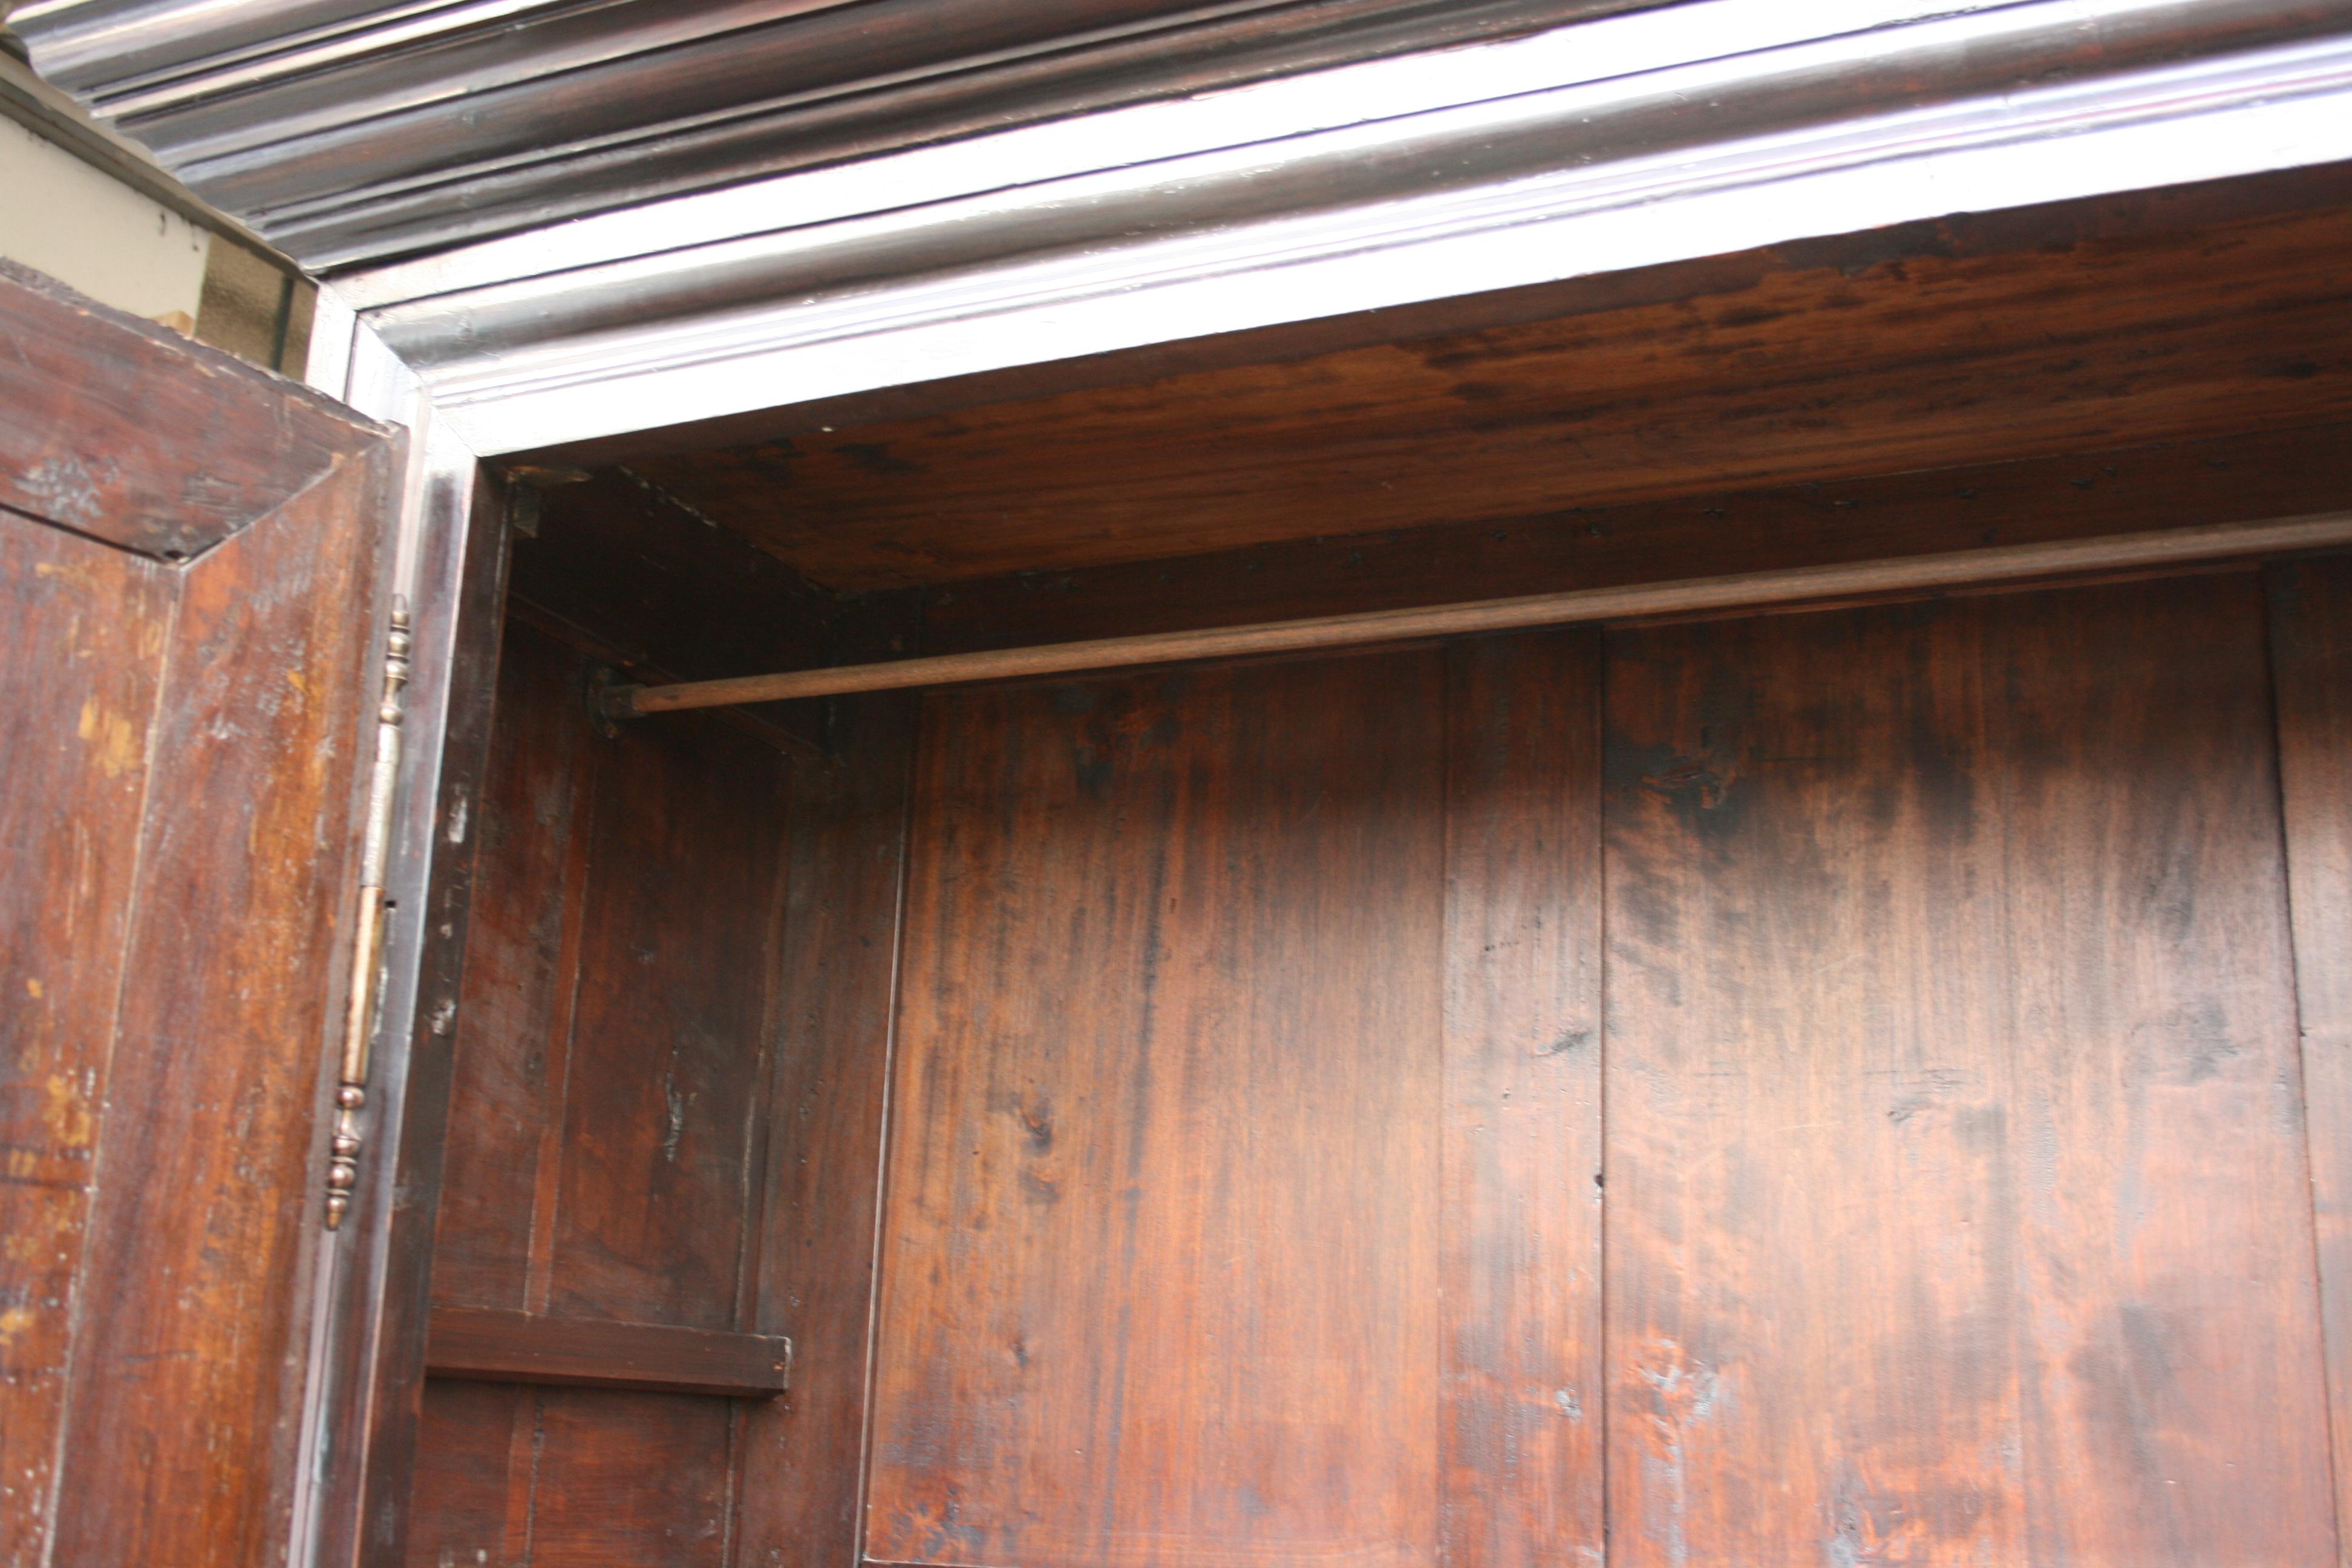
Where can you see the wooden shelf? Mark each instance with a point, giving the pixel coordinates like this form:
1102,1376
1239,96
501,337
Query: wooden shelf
488,1345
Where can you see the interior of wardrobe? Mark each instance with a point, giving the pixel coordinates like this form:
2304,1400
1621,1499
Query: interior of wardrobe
1825,1082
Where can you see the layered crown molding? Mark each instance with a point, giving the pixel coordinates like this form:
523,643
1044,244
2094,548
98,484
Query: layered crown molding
1649,135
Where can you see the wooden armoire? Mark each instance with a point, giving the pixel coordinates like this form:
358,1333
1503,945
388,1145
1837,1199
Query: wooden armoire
1695,911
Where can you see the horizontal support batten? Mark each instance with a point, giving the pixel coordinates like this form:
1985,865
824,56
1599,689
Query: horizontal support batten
489,1345
1751,591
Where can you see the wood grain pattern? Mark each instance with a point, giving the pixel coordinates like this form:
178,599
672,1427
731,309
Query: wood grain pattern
801,1454
668,1034
2311,655
570,1478
206,1216
2269,474
1924,354
1519,1364
1956,1205
1159,1281
380,1312
521,966
123,408
492,1345
81,627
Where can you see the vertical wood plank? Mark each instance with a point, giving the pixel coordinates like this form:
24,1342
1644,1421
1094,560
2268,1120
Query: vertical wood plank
82,630
629,1478
1955,1174
667,1034
2311,653
206,1216
476,1444
1521,1386
803,1453
507,1085
1160,1270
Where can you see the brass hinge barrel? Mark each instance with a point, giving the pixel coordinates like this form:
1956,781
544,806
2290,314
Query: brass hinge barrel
367,942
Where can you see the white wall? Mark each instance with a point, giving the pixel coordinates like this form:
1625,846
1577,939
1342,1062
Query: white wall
61,217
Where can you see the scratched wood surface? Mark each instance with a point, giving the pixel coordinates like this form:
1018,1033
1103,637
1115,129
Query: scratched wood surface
1160,1279
123,408
2311,653
1956,1199
80,635
190,581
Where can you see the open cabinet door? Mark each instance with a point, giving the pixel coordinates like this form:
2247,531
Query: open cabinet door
193,610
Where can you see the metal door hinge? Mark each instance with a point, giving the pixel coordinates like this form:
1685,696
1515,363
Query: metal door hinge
367,944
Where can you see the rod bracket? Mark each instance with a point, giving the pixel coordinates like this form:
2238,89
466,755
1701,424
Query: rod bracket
611,699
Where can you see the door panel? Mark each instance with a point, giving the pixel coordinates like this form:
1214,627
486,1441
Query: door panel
189,717
1957,1201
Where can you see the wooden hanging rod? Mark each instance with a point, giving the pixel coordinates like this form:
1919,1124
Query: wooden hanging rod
1754,590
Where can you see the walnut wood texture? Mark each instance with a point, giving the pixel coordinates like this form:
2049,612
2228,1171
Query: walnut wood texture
1965,341
610,1048
491,1346
1957,1204
2269,474
1161,1277
184,774
2311,655
1521,1405
803,1453
109,388
668,1109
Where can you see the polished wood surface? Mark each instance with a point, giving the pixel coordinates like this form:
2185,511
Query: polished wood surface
491,1346
1159,1278
183,746
1956,1199
2114,323
2311,659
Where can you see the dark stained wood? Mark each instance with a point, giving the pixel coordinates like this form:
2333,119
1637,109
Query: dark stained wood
668,1031
1160,1274
801,1454
612,1046
621,568
630,1478
1519,1358
123,410
490,1345
512,1027
185,750
1928,353
2046,225
570,1478
2311,656
472,1439
376,1338
80,626
206,1216
1957,1204
1965,571
2269,474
